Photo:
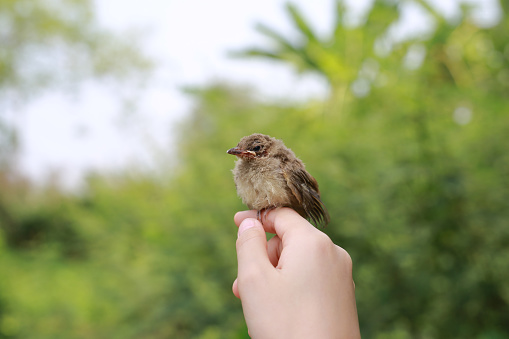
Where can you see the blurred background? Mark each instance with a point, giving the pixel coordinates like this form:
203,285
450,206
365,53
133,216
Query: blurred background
116,196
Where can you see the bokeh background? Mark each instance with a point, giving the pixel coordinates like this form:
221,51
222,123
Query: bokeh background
116,197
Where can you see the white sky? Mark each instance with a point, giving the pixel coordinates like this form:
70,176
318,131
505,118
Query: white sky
190,39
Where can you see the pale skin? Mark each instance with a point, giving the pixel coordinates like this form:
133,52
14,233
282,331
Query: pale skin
296,285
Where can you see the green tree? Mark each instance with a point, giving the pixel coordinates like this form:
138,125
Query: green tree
56,44
414,174
59,44
47,45
406,192
337,57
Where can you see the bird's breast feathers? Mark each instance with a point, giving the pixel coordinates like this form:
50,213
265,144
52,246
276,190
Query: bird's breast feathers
260,185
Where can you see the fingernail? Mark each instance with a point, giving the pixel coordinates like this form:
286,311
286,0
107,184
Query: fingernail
244,225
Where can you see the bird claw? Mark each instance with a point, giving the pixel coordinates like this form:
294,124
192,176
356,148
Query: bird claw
262,214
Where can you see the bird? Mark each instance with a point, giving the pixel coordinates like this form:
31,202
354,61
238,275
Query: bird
269,175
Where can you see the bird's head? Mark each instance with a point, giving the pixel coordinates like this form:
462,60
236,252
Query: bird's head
256,146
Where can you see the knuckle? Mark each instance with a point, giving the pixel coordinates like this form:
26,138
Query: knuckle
318,244
320,241
345,257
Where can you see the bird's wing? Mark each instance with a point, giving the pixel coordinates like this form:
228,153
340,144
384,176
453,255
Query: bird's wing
305,189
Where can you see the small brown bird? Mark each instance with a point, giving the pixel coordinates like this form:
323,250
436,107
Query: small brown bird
268,175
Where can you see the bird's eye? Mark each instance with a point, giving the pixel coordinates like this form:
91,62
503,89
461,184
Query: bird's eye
256,148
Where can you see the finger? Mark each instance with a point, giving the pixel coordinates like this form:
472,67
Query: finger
279,220
274,248
283,221
235,289
240,216
251,248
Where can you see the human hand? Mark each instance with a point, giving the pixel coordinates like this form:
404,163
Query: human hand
296,285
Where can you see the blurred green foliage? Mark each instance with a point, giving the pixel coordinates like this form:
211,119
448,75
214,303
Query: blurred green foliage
412,159
57,44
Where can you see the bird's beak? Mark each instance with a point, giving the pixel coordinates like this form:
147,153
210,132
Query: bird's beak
240,152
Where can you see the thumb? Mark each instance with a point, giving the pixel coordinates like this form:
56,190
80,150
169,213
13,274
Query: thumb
251,247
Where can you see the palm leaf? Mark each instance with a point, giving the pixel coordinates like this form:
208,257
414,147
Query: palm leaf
300,22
